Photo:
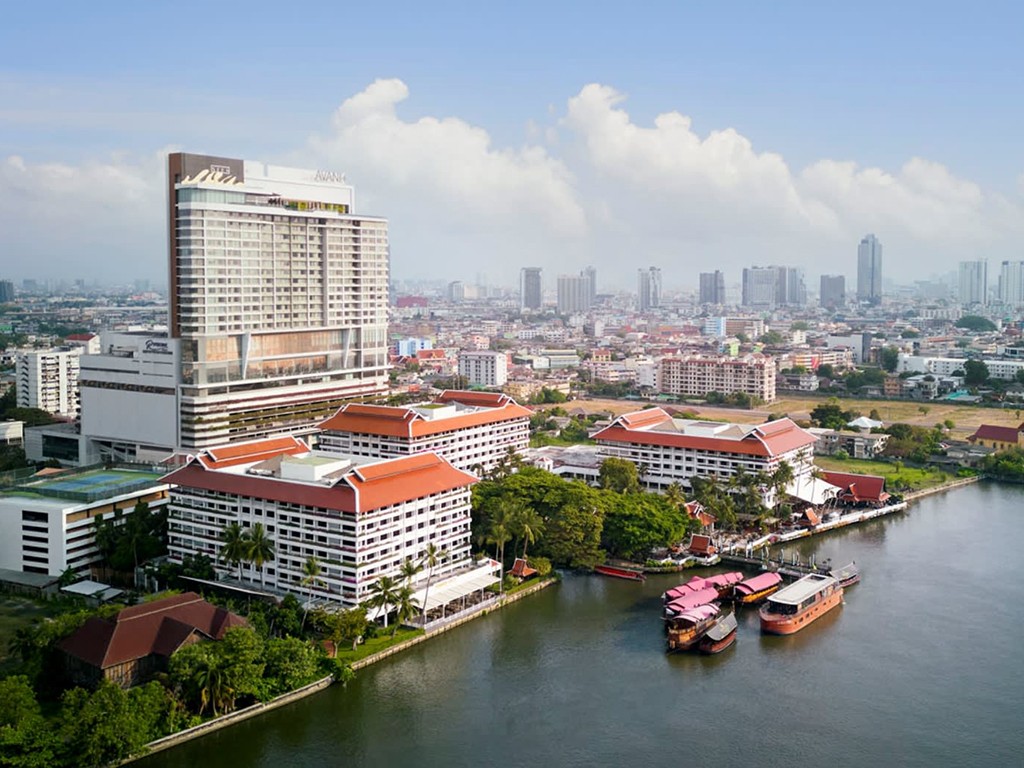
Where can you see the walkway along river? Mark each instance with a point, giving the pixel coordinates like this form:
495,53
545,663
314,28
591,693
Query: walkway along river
923,666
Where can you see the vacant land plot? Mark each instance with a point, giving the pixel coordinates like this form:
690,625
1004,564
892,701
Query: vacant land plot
966,418
897,477
16,613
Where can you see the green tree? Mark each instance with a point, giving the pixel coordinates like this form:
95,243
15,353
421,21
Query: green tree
526,525
290,664
343,626
573,536
976,323
261,549
826,371
637,523
619,475
976,373
406,606
829,415
235,547
432,556
311,571
383,596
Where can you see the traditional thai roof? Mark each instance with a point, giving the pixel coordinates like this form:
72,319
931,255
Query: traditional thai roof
997,433
354,489
857,487
234,454
654,426
156,628
478,408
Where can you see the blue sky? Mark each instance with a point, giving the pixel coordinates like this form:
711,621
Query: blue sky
91,94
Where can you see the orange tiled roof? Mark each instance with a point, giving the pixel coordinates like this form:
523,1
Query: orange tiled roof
254,450
405,422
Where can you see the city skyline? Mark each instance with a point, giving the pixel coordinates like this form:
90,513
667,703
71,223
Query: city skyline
683,153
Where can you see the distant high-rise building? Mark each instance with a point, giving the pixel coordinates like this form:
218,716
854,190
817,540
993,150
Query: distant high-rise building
530,288
712,287
1011,283
6,291
49,380
790,289
648,288
869,269
456,290
759,287
591,276
973,282
576,292
833,291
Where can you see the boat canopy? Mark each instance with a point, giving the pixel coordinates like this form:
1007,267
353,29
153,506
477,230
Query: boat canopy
722,628
686,602
693,585
700,613
724,579
758,583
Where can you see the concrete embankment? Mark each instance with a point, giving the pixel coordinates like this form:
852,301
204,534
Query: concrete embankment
958,483
257,709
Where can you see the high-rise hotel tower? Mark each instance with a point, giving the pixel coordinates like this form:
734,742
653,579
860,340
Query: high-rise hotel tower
278,297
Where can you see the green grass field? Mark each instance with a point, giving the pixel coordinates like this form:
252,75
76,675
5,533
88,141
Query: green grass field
896,477
381,642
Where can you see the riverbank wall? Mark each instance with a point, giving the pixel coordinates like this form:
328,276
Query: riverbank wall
254,710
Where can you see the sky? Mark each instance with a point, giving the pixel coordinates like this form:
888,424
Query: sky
688,136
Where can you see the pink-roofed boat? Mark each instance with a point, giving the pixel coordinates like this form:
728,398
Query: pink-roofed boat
724,582
694,584
757,588
685,629
692,600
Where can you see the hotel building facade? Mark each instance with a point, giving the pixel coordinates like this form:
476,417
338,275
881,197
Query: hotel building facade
675,450
472,430
360,519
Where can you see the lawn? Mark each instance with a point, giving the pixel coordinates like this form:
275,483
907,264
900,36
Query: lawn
381,642
896,477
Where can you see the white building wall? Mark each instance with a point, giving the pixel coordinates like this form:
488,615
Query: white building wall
48,380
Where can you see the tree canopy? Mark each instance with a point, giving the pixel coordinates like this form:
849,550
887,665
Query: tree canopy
975,323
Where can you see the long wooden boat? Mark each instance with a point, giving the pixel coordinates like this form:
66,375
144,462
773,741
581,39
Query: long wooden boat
693,585
619,573
791,609
847,576
720,635
757,588
724,582
690,601
686,628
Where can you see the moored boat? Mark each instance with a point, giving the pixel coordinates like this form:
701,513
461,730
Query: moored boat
693,585
757,588
847,576
686,628
724,582
791,609
720,635
619,573
692,600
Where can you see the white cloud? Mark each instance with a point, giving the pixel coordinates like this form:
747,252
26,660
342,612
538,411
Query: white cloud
588,185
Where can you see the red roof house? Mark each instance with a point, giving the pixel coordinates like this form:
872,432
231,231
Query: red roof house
858,489
139,640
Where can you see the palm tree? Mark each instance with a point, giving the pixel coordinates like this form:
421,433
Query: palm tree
214,686
431,557
781,478
383,595
261,548
527,525
674,495
311,571
406,605
409,570
498,532
235,549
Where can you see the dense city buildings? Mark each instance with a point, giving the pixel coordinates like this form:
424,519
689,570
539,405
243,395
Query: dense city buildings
677,450
973,282
48,380
832,291
869,270
483,368
472,430
362,519
712,287
698,375
648,289
530,292
48,523
278,297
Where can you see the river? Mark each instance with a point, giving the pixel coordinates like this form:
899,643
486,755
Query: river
922,666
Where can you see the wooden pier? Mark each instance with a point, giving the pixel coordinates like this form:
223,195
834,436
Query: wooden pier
793,568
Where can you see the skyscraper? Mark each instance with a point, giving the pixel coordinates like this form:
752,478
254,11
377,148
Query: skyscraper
648,288
1011,283
530,288
278,297
833,291
6,291
576,292
869,269
712,287
759,287
973,282
790,289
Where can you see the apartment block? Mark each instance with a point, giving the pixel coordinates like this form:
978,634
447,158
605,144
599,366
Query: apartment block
697,375
483,368
48,380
